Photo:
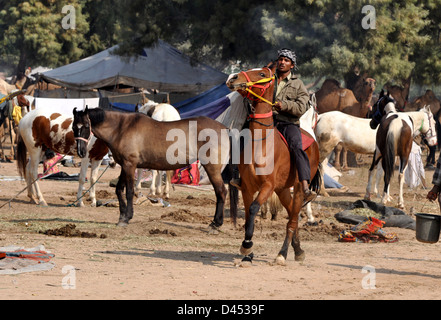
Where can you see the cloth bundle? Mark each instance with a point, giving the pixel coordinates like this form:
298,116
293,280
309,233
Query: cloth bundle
369,230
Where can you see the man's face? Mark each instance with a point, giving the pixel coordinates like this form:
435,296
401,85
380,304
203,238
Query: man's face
284,64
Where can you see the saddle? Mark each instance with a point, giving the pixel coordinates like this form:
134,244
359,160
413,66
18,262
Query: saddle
307,139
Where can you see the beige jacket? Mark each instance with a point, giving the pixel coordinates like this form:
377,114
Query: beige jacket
294,98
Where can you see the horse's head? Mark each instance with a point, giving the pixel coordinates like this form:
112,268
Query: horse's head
256,84
369,85
428,128
82,130
384,105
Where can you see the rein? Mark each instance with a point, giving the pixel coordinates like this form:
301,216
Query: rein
263,85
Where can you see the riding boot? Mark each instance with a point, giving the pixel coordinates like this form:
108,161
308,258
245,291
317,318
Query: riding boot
309,195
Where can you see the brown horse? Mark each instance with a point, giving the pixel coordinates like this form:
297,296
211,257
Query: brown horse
138,141
269,149
400,93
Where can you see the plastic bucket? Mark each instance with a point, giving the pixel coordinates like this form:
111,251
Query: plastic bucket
428,227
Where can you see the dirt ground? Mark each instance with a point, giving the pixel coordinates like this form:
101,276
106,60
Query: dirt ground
166,252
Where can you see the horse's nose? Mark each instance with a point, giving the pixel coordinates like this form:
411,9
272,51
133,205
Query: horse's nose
232,78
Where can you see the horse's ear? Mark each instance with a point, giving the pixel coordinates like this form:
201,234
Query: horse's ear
382,93
75,111
87,109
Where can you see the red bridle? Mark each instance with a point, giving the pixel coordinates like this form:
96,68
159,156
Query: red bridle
263,85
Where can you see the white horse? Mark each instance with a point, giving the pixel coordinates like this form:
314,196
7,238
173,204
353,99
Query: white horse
159,112
354,133
41,129
420,122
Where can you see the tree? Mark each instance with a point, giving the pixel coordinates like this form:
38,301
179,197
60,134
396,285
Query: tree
33,33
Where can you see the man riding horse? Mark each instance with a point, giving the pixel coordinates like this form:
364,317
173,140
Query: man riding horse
291,102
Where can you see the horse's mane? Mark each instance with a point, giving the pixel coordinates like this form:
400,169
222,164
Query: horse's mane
96,115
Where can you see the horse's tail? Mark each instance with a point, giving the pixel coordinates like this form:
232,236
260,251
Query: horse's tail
231,172
234,203
389,153
316,182
21,156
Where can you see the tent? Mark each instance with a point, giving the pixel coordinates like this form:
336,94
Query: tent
161,67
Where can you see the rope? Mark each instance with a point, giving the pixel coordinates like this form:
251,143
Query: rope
84,194
33,182
69,205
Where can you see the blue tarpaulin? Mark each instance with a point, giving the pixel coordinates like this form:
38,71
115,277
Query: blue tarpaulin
204,99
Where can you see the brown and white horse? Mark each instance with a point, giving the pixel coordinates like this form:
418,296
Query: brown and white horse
266,166
394,138
42,129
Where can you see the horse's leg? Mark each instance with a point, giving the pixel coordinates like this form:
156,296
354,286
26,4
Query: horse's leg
378,178
345,158
403,166
29,179
214,172
123,220
82,180
154,184
168,177
311,218
138,182
293,225
337,153
292,205
94,170
376,159
33,170
130,190
253,208
323,191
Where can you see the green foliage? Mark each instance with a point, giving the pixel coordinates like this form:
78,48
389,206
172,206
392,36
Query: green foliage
327,35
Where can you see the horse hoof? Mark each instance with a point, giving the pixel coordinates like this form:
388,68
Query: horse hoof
300,257
280,260
213,231
122,224
245,264
43,204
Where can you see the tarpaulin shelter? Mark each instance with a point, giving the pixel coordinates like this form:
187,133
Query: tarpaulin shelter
161,67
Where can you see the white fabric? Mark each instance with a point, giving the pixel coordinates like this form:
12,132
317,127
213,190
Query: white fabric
415,168
65,106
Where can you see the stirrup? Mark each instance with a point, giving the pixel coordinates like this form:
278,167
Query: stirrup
309,195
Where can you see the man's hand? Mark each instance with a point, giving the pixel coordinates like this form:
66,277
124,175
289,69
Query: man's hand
278,106
433,194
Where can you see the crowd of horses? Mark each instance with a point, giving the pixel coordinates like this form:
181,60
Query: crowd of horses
337,120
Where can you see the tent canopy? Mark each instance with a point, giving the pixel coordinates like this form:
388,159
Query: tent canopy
161,67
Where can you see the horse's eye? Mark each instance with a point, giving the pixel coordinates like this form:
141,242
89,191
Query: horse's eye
262,75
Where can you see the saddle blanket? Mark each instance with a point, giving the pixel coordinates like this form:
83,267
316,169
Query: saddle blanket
307,140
